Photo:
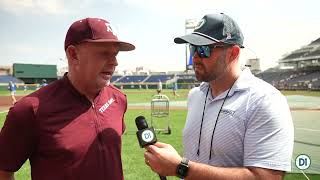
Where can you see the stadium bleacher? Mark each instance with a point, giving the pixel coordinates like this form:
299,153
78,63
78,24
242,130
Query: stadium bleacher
115,78
295,55
186,76
292,79
162,78
132,78
314,53
298,70
306,77
7,78
317,41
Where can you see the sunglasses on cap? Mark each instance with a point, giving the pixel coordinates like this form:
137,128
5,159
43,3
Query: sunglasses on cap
204,51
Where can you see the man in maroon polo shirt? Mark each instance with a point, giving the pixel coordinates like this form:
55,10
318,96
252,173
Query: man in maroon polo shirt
71,129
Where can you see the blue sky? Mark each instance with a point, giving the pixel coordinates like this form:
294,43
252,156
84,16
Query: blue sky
33,31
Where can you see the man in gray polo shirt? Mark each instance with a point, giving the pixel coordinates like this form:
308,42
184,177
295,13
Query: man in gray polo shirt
238,126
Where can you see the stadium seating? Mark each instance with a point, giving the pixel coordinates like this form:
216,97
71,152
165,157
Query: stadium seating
314,53
317,41
7,78
115,78
292,79
156,78
295,55
306,69
306,77
132,78
316,84
186,76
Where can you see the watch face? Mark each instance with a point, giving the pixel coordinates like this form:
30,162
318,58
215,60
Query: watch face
182,170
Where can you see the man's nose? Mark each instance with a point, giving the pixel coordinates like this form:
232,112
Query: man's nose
196,59
112,61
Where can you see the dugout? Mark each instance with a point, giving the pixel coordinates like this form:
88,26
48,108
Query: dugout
35,73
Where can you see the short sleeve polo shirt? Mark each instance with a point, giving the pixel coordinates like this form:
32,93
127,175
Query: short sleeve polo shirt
64,135
254,127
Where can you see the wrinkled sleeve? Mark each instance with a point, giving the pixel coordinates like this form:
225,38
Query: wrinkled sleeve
17,137
269,137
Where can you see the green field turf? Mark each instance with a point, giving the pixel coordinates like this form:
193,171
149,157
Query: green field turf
150,92
132,155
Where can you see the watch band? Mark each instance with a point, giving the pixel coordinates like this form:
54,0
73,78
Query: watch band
182,168
185,161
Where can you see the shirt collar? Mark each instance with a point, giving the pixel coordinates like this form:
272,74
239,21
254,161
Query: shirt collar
243,80
68,85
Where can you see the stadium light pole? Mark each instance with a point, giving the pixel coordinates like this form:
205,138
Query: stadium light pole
189,24
252,52
255,54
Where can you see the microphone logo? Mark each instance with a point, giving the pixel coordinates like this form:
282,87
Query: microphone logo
147,136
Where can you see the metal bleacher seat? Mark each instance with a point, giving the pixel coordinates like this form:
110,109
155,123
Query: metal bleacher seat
7,78
132,78
162,78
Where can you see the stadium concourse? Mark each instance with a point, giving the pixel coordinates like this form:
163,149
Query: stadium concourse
298,70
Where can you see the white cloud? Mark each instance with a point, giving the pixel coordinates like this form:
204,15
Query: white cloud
33,6
26,53
271,29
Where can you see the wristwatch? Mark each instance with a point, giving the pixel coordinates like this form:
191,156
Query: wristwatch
182,169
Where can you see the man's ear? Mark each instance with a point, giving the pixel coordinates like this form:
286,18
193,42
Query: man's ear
72,55
235,52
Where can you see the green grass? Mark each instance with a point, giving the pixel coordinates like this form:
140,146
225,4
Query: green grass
147,94
302,93
2,118
132,155
143,95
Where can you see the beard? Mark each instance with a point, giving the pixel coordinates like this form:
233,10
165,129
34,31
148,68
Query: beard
205,75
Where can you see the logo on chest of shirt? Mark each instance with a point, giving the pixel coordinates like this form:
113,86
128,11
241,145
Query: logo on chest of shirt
228,111
106,105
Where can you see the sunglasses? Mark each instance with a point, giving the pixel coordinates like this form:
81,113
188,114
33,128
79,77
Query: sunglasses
204,51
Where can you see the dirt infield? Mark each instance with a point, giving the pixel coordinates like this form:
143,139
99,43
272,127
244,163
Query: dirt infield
6,102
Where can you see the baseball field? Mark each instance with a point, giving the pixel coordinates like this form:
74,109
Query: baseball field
305,108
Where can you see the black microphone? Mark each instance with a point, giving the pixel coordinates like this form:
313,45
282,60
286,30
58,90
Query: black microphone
146,135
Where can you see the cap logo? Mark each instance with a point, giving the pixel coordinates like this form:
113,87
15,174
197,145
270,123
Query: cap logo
228,36
110,29
200,24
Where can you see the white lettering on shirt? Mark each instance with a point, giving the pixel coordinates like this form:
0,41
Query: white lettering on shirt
106,105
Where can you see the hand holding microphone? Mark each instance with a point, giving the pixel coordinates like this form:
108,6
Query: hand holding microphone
164,159
146,135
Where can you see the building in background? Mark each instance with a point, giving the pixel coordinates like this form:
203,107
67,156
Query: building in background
254,65
306,57
35,73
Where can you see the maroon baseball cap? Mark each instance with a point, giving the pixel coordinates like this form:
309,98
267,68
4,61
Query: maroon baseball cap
93,30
